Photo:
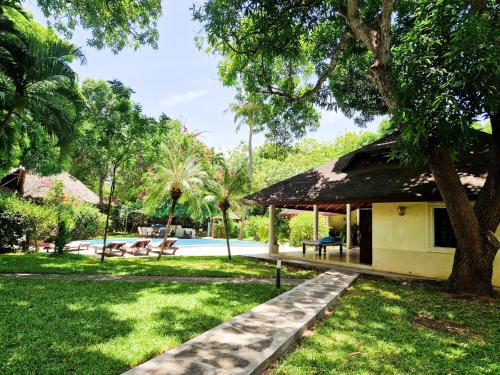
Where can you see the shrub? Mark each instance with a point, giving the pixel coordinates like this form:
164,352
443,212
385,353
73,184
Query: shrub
301,228
13,232
257,227
37,221
252,225
219,229
88,222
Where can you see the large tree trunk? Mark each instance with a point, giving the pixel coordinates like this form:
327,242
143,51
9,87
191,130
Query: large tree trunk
167,227
226,231
473,264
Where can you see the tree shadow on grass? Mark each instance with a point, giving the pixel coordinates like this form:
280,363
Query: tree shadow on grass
85,327
217,303
371,331
52,327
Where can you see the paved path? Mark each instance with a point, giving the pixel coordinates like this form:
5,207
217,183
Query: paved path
249,343
183,279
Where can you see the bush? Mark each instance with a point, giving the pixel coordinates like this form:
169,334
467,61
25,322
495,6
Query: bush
88,222
252,225
257,228
37,221
219,229
13,232
301,228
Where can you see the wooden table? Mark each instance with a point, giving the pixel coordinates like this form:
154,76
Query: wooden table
320,246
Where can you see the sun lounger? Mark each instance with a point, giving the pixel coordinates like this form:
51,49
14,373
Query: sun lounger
45,245
169,245
112,246
76,246
137,246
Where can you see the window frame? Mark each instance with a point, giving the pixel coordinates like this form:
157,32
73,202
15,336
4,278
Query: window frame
432,245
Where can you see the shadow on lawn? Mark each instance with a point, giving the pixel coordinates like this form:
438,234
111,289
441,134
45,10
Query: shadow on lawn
50,327
54,327
371,331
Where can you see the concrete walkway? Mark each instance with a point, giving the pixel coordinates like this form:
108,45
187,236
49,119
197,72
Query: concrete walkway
249,343
182,279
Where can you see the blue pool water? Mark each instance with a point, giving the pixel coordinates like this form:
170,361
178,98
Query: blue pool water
188,242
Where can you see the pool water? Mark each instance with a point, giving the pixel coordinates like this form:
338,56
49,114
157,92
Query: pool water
188,242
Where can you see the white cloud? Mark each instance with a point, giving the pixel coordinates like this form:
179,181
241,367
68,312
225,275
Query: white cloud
174,99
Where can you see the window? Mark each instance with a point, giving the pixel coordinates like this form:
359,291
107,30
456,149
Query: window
443,231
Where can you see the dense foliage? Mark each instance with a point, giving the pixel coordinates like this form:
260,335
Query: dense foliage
37,85
23,223
88,222
301,228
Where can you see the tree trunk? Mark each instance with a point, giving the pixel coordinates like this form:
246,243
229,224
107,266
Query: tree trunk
473,264
226,231
108,209
102,179
250,154
167,227
250,172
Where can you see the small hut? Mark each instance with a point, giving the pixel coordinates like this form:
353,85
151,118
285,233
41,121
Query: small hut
31,185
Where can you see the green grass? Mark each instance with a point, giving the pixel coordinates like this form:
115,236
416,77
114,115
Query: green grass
167,266
85,327
371,332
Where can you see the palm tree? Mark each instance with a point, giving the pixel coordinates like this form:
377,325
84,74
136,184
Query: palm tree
250,113
175,177
227,187
36,79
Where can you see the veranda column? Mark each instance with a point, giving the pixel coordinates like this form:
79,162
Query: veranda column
272,249
315,224
348,224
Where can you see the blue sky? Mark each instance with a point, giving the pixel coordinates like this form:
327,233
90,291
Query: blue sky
180,80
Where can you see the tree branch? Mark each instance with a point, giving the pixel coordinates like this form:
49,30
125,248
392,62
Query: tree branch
359,28
321,79
385,31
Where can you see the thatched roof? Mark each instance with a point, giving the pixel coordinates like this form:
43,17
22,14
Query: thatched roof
367,176
33,185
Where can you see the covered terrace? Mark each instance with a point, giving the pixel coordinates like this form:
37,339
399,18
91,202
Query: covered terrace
351,185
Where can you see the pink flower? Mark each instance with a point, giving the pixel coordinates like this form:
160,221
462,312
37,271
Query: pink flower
184,129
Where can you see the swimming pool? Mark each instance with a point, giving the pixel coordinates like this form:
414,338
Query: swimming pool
188,242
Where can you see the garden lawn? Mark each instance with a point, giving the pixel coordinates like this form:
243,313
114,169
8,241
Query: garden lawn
167,266
371,332
85,327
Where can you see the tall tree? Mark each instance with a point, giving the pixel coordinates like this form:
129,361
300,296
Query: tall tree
431,65
125,141
37,83
227,187
112,24
175,177
251,114
108,111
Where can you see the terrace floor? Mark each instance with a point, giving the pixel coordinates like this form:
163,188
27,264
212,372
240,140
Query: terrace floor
349,257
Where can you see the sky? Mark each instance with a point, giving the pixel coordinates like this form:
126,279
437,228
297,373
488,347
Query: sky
181,81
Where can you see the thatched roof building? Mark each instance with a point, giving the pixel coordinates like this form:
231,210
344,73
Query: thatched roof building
32,185
368,176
